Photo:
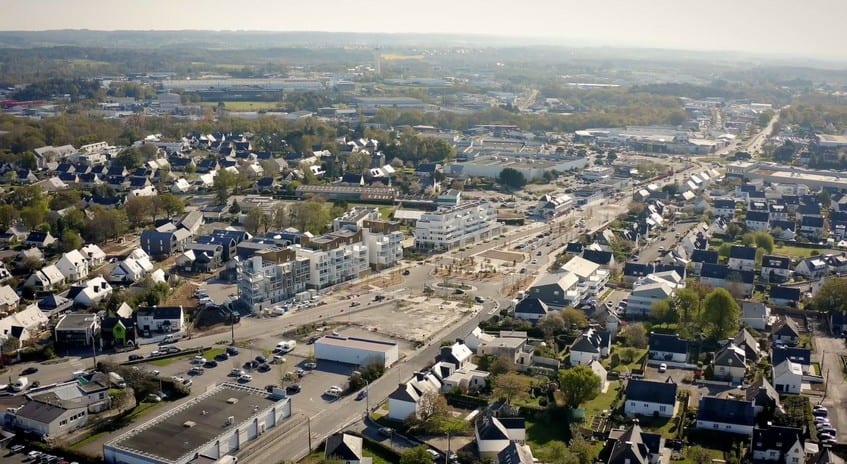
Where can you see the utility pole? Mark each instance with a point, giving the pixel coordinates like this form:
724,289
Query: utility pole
309,431
94,351
232,326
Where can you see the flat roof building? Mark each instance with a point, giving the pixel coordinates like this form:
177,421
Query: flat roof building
358,351
215,424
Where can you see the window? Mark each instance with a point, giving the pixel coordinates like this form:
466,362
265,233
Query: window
663,408
716,426
63,423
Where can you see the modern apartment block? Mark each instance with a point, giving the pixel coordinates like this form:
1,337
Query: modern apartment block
384,239
457,226
272,276
333,258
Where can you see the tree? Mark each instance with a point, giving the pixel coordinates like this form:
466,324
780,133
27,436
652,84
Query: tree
416,455
9,215
586,453
511,178
224,181
687,302
431,405
552,324
832,296
698,455
358,162
255,220
70,240
636,208
635,335
557,452
721,313
664,312
574,318
130,158
235,208
725,249
511,386
579,384
500,366
311,216
138,210
169,203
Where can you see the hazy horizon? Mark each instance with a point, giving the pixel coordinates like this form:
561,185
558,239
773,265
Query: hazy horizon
811,30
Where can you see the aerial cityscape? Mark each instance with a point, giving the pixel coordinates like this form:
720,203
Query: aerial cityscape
322,236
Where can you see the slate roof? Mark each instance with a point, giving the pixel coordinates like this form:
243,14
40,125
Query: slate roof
812,221
531,305
802,356
649,391
720,271
787,328
776,438
785,293
704,256
574,248
742,252
599,257
784,225
757,216
670,343
344,447
161,312
809,209
721,203
776,262
726,411
762,391
40,412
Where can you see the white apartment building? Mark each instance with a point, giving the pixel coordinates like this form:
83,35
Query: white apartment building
334,257
272,276
454,227
384,249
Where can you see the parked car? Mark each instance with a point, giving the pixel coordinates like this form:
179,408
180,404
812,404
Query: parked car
263,368
406,272
261,359
663,367
387,431
135,357
196,370
310,365
293,388
222,357
251,364
198,360
362,395
153,398
245,378
29,370
187,382
210,364
353,304
232,350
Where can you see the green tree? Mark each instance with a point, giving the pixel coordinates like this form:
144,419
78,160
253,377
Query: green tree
574,318
511,178
552,324
416,455
586,453
579,384
138,210
223,183
358,162
255,220
311,216
664,312
687,302
725,249
720,313
9,215
70,240
557,452
130,158
635,335
169,203
511,386
235,208
832,296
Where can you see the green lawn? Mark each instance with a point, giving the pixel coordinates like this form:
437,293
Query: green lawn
602,402
540,432
792,251
665,426
208,354
635,363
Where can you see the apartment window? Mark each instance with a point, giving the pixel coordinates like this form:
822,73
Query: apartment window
63,423
716,426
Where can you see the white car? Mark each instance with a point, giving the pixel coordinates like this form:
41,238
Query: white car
663,367
245,378
199,360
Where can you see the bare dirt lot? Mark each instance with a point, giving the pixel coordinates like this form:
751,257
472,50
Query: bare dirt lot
414,318
507,256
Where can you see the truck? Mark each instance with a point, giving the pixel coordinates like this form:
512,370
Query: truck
20,384
285,346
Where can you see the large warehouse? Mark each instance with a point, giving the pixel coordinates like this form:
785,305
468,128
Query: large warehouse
213,425
358,351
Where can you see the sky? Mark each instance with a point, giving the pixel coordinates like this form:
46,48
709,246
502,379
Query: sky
808,28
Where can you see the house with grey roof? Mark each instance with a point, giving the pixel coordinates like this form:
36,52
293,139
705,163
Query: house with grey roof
667,347
531,309
632,446
49,419
345,448
755,315
649,398
726,415
592,345
494,434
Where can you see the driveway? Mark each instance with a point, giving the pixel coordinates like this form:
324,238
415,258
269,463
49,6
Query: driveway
835,400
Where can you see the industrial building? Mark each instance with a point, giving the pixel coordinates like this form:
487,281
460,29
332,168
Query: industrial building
532,166
358,351
215,424
780,174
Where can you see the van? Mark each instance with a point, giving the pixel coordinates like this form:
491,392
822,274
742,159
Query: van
285,346
20,384
171,338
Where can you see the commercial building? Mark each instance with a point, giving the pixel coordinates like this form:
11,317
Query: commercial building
77,329
358,351
213,425
532,166
449,228
271,276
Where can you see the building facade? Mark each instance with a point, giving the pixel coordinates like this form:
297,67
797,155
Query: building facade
449,228
270,277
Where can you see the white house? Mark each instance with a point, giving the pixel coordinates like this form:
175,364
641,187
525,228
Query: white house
648,398
726,415
457,354
94,255
591,346
90,293
405,401
8,298
755,315
494,434
73,265
477,338
45,279
811,268
742,258
22,324
730,362
49,419
667,347
160,319
776,269
788,377
133,268
779,445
